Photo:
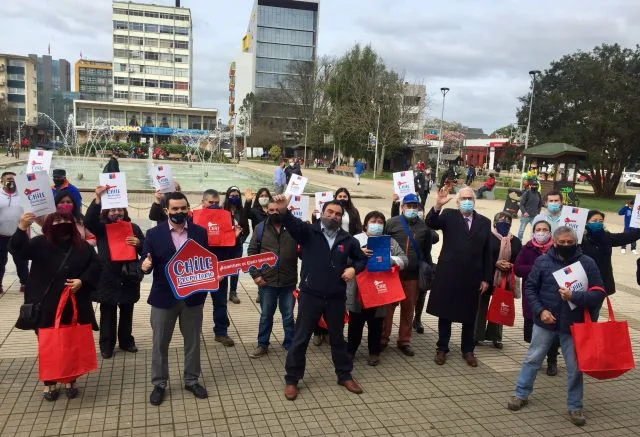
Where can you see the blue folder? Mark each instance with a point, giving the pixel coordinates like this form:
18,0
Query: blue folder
380,261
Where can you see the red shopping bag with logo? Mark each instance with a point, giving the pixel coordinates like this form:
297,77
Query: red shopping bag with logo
117,234
66,352
218,224
379,288
603,349
502,309
321,323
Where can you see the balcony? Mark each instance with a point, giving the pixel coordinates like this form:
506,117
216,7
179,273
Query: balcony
232,99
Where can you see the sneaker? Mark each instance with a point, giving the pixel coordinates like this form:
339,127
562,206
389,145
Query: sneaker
516,403
234,298
259,351
225,340
635,252
577,418
623,251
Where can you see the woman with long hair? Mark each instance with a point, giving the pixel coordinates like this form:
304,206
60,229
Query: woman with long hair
255,207
119,284
59,258
233,204
65,204
351,219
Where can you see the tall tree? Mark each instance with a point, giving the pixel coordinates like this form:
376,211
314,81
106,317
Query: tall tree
589,99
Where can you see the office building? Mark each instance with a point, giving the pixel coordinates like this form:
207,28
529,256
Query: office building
54,79
152,54
281,33
93,80
19,90
413,106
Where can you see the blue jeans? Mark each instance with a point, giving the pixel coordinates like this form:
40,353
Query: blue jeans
220,317
270,297
540,342
524,221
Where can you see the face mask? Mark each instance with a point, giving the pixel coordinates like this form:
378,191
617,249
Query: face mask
503,228
410,213
235,201
58,181
178,218
534,188
566,252
466,206
62,231
375,229
554,207
343,203
330,223
542,237
274,218
214,206
10,186
263,201
118,217
66,208
595,227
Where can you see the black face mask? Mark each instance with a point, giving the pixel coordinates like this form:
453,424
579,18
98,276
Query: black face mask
62,231
343,203
58,181
274,218
566,252
178,218
10,186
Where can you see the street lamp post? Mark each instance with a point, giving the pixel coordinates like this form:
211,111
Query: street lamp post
305,142
375,156
53,118
533,74
444,92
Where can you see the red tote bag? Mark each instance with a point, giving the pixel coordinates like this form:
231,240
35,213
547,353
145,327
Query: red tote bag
219,226
376,289
502,309
603,349
117,234
66,352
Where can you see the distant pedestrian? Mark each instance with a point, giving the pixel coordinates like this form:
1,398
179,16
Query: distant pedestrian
279,178
358,169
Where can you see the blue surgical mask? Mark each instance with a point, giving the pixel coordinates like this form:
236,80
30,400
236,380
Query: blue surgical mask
554,207
235,201
466,205
410,213
503,228
214,206
375,229
595,227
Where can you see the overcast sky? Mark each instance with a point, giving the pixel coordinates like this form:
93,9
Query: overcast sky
480,49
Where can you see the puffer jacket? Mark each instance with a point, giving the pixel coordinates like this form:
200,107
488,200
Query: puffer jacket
285,273
398,258
542,291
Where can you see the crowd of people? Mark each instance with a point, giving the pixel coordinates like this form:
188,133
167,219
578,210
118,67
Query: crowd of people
318,261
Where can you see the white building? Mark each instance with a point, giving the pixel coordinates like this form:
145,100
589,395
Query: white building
413,106
152,54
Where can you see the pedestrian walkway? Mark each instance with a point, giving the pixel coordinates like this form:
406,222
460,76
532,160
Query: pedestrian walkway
404,396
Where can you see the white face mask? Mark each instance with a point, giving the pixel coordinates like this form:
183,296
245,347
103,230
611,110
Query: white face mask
263,201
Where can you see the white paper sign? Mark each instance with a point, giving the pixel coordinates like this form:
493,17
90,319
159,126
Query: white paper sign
572,277
116,194
321,198
575,218
403,183
163,179
35,193
39,160
296,185
299,207
635,214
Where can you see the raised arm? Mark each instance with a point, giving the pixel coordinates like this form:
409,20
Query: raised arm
624,238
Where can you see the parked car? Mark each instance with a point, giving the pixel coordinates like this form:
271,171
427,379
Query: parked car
628,176
633,180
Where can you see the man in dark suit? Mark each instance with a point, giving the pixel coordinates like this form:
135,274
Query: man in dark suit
161,243
330,258
464,270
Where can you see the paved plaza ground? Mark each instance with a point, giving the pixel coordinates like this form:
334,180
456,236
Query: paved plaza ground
403,396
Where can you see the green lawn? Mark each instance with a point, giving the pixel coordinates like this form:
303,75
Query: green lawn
587,200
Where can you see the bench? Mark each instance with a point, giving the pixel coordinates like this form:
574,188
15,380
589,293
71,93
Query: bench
343,170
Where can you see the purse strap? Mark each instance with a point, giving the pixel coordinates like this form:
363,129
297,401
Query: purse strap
587,314
410,238
60,267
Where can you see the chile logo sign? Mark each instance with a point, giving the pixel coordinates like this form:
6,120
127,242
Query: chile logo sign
193,269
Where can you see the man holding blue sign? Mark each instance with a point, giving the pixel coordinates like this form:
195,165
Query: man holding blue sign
160,245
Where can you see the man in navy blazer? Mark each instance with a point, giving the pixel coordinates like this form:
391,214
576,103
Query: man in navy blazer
162,242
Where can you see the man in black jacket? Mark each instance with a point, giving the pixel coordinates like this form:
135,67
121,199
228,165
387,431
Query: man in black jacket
276,284
330,258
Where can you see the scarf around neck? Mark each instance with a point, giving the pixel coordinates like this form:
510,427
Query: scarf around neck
503,255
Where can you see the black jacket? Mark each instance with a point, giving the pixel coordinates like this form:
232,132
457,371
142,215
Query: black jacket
322,266
598,246
112,166
114,287
254,213
423,236
285,273
45,259
531,203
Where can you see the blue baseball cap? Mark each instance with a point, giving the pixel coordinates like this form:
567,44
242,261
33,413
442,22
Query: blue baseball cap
410,198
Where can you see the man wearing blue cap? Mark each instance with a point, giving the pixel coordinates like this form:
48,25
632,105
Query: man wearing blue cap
414,237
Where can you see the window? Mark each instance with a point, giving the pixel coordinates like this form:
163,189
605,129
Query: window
136,82
100,113
120,11
16,77
136,40
166,98
181,17
269,65
117,94
166,43
182,99
166,57
138,27
121,80
151,83
284,36
117,117
134,13
151,42
151,56
182,30
137,96
132,118
122,25
17,91
119,39
135,54
181,72
182,85
151,97
195,122
166,29
152,28
182,44
120,53
150,14
281,51
121,67
182,59
273,16
166,16
166,84
149,119
164,120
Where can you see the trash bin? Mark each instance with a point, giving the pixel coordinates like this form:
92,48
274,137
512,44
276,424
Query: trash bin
512,203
